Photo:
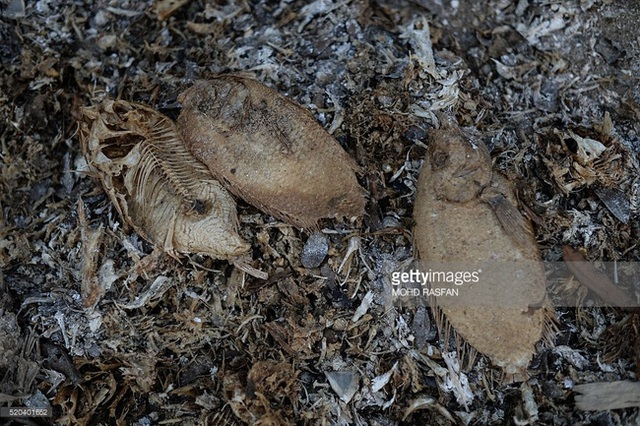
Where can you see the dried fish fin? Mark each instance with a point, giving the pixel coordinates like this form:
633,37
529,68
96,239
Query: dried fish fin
243,264
155,182
91,288
509,217
165,8
466,353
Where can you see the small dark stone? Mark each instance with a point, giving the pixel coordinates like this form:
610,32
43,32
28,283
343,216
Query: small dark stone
551,390
39,190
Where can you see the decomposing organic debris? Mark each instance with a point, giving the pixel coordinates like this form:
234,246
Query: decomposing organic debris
157,186
101,332
601,159
595,280
165,8
269,151
466,214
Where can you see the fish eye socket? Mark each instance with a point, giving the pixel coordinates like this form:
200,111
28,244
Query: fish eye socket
199,207
132,116
439,159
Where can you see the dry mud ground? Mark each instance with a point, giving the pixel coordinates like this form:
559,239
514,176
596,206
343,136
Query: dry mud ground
196,342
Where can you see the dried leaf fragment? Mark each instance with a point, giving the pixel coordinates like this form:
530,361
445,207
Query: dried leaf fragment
595,280
607,395
616,202
269,151
343,383
91,289
165,8
465,215
156,184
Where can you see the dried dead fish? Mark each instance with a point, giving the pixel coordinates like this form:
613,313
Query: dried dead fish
156,184
269,150
465,215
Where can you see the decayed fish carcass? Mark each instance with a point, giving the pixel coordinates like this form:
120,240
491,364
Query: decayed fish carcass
467,220
158,187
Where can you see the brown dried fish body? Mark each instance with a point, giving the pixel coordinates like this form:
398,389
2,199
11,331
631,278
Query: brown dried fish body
158,187
465,215
269,151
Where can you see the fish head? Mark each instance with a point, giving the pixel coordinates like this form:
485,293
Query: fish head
224,99
460,165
